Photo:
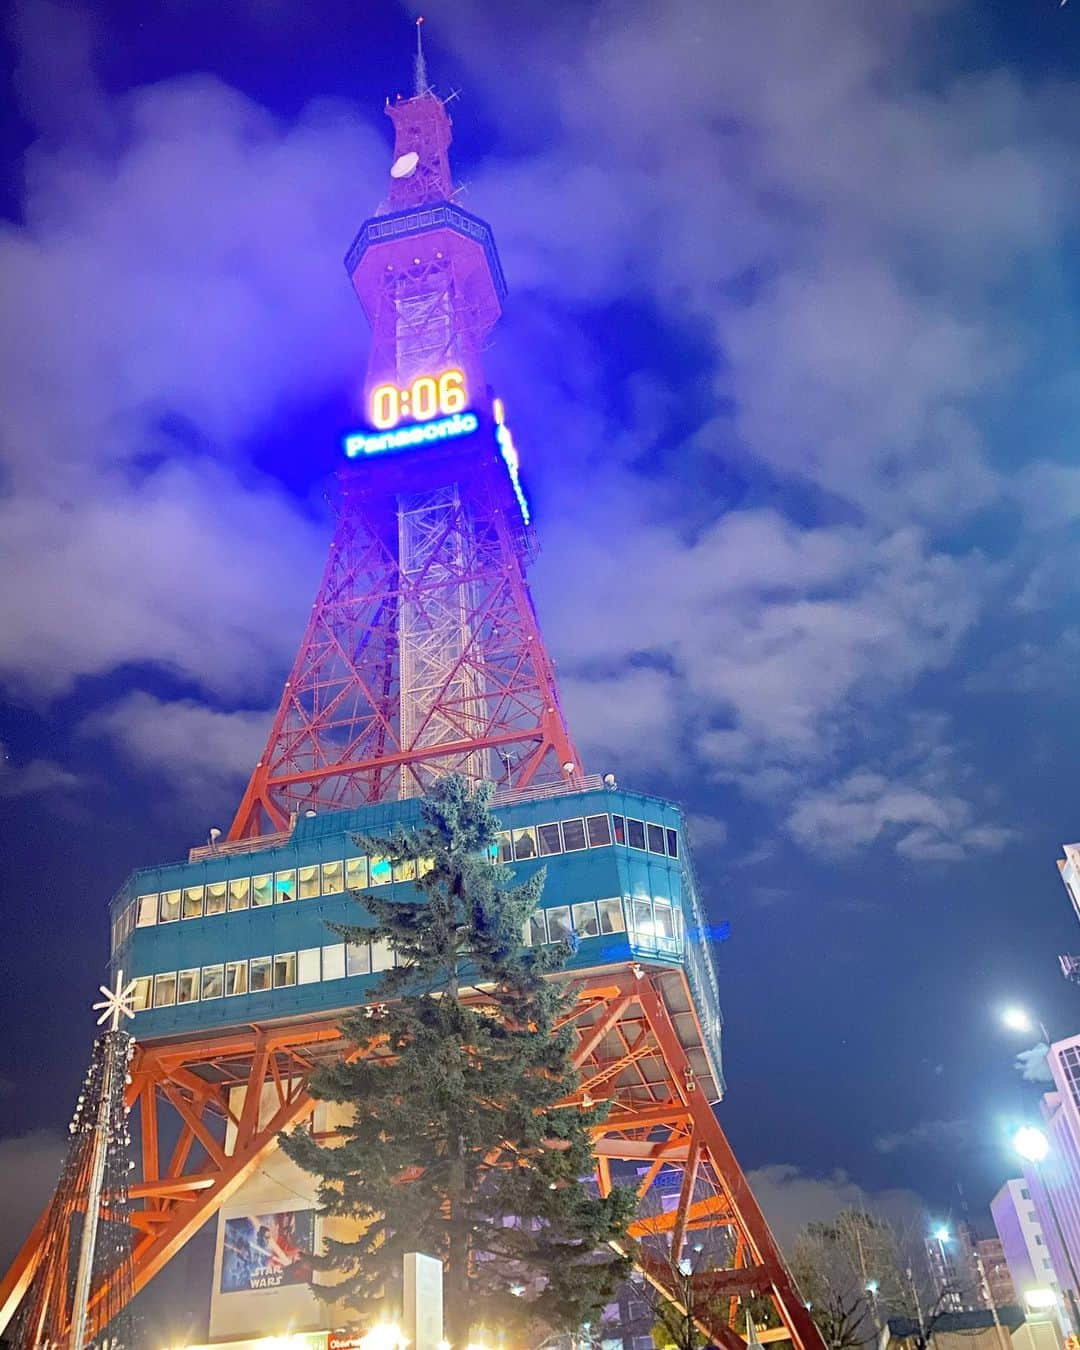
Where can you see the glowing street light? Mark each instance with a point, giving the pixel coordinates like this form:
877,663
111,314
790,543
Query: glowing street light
1019,1019
1032,1145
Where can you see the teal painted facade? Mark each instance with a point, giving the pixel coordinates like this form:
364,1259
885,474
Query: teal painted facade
620,887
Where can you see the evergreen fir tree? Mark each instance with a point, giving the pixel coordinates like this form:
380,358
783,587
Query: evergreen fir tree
454,1142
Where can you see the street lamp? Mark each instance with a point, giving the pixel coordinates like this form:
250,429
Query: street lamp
1033,1146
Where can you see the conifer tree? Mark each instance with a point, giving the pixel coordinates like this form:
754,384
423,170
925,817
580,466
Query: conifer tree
454,1142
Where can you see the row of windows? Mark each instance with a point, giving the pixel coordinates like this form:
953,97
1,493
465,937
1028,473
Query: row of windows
654,922
268,888
571,836
260,973
350,874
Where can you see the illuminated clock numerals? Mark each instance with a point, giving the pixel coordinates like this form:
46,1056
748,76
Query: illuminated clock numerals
425,397
385,406
451,392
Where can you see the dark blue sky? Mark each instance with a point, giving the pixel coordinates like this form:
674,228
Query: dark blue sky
790,355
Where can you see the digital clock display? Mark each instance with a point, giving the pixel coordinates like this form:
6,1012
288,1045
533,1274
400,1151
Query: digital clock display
425,397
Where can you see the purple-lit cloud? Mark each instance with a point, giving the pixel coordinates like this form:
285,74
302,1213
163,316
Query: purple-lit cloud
786,185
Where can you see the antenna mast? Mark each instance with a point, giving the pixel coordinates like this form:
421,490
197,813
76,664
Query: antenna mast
420,77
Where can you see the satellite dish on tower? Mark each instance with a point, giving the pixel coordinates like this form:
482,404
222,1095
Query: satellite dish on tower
405,164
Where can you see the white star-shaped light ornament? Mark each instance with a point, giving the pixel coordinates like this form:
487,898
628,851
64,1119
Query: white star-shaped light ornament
117,1003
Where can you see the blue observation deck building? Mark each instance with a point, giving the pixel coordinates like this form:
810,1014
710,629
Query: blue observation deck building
238,933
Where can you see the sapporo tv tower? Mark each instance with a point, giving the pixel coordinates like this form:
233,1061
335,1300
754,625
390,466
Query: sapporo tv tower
422,655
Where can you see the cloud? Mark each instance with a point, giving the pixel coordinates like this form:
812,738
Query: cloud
935,1135
175,286
185,746
706,832
30,1166
1032,1065
754,552
791,1198
920,803
158,571
34,778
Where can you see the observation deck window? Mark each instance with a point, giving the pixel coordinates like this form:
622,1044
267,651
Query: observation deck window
262,890
357,958
536,930
261,974
187,986
213,981
641,911
141,994
611,916
618,824
635,833
217,897
285,886
355,873
239,894
308,883
663,919
586,923
656,838
599,829
165,990
307,966
524,843
284,970
333,961
382,958
146,914
550,839
333,878
573,834
193,902
405,870
170,906
380,871
506,848
236,978
559,929
673,843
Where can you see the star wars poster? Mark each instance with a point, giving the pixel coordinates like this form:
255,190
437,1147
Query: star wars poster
267,1251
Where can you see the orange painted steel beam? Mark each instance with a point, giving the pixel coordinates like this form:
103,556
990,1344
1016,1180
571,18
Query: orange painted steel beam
667,1124
790,1306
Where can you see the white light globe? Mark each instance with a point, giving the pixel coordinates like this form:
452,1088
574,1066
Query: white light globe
1031,1143
1016,1019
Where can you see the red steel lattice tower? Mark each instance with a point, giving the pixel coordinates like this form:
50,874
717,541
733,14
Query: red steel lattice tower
422,653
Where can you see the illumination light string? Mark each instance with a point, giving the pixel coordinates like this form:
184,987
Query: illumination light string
508,450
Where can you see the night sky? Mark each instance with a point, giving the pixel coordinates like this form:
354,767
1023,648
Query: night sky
790,357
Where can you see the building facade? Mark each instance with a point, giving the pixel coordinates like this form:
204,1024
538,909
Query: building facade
998,1288
1041,1237
1020,1233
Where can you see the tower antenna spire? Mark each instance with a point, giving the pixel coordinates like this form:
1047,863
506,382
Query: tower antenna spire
420,77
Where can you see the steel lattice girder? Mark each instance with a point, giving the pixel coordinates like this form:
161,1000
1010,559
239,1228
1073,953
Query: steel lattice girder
422,655
662,1122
